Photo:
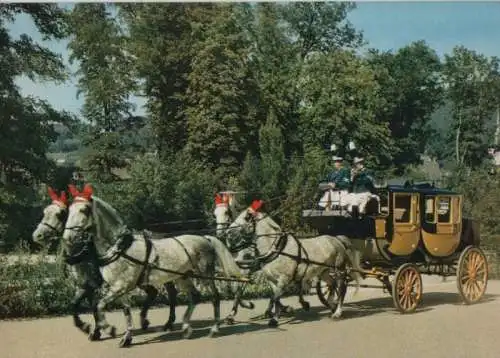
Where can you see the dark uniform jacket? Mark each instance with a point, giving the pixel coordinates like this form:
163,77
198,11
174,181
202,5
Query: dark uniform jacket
341,177
363,181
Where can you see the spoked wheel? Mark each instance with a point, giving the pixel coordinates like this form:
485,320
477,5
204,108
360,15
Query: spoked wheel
324,292
407,288
472,274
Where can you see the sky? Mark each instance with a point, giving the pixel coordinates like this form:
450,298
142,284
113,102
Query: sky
385,25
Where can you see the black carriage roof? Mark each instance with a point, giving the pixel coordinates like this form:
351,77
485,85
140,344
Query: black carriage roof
422,188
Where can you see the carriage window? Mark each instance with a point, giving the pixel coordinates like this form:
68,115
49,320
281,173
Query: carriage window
430,214
402,208
443,209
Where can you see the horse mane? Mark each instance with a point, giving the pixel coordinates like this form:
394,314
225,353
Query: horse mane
272,224
109,225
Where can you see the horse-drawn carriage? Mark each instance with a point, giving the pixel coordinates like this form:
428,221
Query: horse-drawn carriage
413,230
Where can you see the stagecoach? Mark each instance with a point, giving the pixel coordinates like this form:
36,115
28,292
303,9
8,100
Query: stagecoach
413,229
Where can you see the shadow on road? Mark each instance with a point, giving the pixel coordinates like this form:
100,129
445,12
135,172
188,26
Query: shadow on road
352,310
201,329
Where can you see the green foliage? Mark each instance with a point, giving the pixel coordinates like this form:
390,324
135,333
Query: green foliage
220,117
473,81
104,76
410,84
273,165
160,39
26,123
344,107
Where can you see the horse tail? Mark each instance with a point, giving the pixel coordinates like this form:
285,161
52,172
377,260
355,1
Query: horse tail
354,259
224,257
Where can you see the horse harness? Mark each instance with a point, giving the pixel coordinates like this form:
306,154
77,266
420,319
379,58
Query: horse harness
280,244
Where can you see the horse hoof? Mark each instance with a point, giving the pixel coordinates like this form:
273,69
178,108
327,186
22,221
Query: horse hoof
95,336
273,323
169,326
126,341
187,332
251,306
229,320
336,316
145,324
112,332
214,332
306,306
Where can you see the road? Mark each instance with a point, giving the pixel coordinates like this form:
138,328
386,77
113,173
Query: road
442,327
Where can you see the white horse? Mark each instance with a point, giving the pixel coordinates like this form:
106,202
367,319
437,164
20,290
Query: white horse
225,212
286,260
87,277
94,229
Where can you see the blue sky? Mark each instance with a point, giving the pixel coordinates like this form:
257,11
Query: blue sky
386,25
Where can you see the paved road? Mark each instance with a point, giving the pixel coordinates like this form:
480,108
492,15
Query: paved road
371,328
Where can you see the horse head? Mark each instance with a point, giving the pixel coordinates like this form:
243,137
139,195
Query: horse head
80,218
223,212
243,229
54,216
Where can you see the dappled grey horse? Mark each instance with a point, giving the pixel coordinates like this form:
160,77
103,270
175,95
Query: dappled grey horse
86,274
127,260
225,212
285,260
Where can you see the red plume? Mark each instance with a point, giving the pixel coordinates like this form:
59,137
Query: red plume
87,191
218,199
73,190
63,198
256,205
58,198
52,194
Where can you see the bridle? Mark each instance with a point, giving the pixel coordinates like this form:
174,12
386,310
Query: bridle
85,242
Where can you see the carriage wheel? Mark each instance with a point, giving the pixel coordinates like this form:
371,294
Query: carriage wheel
407,288
324,292
472,274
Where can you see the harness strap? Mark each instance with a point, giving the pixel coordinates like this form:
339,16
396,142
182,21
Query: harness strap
186,251
145,268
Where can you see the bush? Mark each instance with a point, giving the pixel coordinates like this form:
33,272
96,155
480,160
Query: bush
42,288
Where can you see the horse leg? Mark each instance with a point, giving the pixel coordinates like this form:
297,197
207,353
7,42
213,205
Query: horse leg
113,294
81,293
172,302
193,297
127,337
151,293
305,305
243,303
238,302
216,303
341,292
277,293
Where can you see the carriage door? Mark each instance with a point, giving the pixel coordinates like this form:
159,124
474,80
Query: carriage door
406,223
449,220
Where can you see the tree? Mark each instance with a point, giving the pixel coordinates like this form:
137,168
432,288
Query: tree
26,123
220,109
272,163
161,40
410,81
343,106
471,81
104,77
320,27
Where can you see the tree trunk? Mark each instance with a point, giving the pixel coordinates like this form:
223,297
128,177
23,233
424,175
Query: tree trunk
497,132
457,138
